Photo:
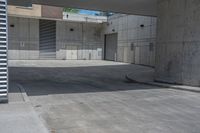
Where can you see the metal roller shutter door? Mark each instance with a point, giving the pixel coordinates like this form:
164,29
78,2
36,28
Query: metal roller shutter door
47,39
111,47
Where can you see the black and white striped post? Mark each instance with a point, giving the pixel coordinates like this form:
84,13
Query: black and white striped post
3,52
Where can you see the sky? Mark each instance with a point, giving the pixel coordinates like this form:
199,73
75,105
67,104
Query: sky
88,12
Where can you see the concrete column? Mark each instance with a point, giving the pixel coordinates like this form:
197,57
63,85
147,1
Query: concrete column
3,52
178,42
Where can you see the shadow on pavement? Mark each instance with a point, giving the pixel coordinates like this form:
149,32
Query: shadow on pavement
45,81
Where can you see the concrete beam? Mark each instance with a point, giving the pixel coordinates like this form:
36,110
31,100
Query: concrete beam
19,2
137,7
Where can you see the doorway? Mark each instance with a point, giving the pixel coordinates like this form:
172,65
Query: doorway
47,46
111,47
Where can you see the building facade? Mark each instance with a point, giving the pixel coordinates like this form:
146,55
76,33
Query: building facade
68,40
135,37
46,34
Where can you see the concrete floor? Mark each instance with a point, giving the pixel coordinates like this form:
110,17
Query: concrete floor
19,116
91,98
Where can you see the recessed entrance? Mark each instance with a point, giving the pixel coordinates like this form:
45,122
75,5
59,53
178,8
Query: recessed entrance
47,39
111,47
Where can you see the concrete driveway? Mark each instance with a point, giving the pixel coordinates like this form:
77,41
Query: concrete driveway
93,97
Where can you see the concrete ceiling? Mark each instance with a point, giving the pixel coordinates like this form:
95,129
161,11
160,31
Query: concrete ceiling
138,7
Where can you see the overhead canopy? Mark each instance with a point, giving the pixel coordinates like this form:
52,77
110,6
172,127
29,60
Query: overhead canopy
138,7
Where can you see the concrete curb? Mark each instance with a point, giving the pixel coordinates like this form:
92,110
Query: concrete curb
165,85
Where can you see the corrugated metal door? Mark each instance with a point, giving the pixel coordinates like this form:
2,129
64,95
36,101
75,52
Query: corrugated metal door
47,39
3,52
111,47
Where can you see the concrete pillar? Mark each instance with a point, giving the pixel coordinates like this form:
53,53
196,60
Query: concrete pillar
3,52
178,42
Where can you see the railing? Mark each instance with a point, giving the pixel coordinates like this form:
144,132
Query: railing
3,52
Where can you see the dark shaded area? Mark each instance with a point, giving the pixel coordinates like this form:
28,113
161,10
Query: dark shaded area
76,79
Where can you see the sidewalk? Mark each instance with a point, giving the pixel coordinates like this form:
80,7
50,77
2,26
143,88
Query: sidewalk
19,116
146,76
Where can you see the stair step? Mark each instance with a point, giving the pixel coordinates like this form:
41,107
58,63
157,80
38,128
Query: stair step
3,90
3,95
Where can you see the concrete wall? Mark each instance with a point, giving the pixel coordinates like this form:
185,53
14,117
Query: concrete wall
178,49
23,36
136,44
86,41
